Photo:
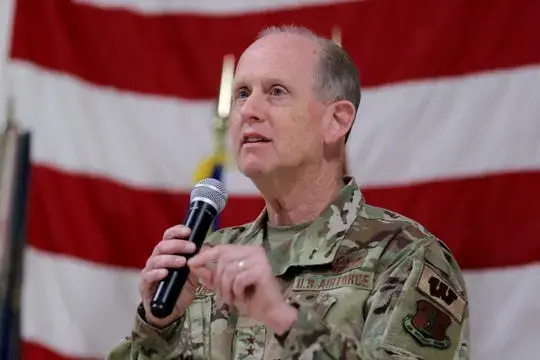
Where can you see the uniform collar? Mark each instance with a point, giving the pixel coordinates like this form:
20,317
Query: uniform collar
318,243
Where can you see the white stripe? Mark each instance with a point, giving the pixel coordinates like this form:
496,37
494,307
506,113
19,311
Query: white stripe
408,132
448,128
82,298
76,308
214,7
505,313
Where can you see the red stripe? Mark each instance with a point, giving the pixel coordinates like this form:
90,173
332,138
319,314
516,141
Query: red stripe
32,350
180,54
105,222
487,222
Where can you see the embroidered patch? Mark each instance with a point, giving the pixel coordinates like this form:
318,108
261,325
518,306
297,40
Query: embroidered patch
354,278
439,291
428,325
204,290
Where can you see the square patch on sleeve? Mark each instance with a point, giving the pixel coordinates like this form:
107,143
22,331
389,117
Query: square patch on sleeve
439,291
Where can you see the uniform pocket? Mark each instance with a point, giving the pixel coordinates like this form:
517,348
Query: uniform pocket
200,313
221,331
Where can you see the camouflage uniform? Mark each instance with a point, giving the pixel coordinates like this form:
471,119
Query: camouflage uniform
368,284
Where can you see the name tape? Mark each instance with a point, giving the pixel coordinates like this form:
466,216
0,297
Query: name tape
355,278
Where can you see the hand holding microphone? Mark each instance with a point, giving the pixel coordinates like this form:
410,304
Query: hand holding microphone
167,287
169,253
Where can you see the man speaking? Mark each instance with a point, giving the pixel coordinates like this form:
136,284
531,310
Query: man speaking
319,274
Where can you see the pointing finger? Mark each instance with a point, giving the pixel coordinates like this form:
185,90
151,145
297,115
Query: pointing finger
206,256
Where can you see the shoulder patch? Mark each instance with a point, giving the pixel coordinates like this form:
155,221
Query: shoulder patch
438,290
428,325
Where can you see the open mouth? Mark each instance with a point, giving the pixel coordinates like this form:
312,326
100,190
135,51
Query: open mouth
254,139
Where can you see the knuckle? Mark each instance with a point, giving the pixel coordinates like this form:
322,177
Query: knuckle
164,262
174,231
170,232
171,246
161,246
181,244
150,263
160,262
146,279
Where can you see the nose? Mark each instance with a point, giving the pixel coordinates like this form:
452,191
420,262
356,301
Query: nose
251,109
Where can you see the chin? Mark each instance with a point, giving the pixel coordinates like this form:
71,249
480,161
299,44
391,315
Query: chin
253,170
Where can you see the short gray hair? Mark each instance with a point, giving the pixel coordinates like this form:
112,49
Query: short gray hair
337,77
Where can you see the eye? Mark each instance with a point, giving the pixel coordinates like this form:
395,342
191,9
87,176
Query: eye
241,93
277,90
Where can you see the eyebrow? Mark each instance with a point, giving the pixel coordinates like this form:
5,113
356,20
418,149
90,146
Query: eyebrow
238,84
272,80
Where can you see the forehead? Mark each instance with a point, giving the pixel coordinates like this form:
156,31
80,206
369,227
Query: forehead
281,56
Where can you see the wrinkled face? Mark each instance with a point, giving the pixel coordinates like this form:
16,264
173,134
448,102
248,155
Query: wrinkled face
276,120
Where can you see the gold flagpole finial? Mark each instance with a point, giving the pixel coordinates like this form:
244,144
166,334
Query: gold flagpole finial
225,87
223,108
219,123
336,35
224,103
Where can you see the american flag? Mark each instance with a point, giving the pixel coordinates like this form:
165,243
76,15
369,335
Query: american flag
120,98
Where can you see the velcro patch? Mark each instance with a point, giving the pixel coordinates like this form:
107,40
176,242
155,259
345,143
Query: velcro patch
428,325
355,278
438,290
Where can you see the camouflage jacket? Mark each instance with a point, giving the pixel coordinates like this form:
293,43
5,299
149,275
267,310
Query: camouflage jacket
368,284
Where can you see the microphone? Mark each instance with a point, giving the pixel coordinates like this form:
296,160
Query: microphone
208,199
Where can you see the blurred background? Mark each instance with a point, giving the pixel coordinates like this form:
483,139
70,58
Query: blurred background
108,109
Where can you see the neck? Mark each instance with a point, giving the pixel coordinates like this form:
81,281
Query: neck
292,200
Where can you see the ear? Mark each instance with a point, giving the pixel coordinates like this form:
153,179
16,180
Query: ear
341,118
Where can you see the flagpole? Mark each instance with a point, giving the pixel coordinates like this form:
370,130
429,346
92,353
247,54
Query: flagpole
220,126
14,182
223,108
8,146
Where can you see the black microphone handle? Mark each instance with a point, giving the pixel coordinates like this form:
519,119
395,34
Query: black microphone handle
199,219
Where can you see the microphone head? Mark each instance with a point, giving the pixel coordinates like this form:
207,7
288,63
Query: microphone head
211,191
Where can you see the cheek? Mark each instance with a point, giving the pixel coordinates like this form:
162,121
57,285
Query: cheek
310,125
233,132
299,135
